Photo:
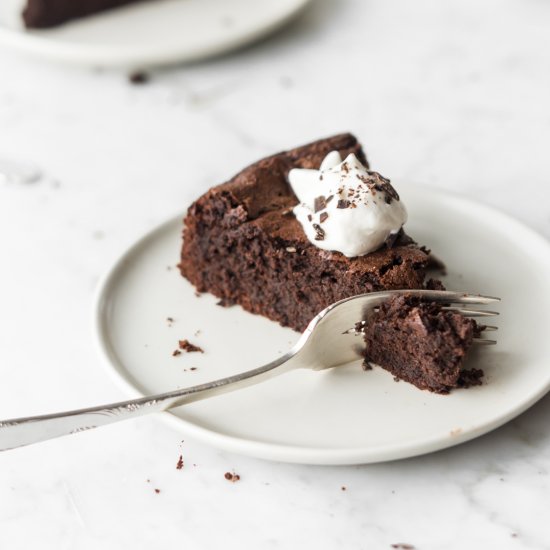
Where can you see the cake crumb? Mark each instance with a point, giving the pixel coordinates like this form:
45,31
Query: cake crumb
139,77
365,365
187,346
403,546
157,491
225,302
343,488
176,352
470,377
170,321
434,284
179,464
233,477
197,294
455,432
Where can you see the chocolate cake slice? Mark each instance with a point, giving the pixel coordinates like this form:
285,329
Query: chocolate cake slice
40,14
242,243
421,343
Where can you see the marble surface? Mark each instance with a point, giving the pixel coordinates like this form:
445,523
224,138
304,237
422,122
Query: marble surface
454,95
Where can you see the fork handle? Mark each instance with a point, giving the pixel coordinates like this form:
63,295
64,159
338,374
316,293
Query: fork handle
19,432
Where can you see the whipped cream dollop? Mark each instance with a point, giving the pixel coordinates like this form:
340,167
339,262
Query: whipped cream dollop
346,207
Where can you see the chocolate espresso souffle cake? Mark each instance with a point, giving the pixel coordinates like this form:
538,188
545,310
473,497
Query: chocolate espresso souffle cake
299,230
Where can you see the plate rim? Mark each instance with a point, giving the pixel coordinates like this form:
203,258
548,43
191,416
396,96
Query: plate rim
43,47
307,454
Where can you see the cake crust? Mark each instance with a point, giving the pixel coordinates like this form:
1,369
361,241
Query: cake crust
242,243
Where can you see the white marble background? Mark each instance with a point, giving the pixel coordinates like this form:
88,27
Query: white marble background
453,94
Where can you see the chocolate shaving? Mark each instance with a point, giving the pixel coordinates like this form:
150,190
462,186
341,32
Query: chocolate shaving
377,182
389,191
179,465
319,203
319,232
385,186
323,216
343,203
329,198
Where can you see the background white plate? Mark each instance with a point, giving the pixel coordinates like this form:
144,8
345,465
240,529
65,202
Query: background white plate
343,416
153,33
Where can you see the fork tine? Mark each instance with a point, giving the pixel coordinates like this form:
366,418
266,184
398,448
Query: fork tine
462,299
489,328
474,299
484,342
452,296
472,312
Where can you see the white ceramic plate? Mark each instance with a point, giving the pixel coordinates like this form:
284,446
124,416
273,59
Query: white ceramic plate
153,33
343,416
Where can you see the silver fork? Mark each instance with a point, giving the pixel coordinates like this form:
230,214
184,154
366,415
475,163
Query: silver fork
327,342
